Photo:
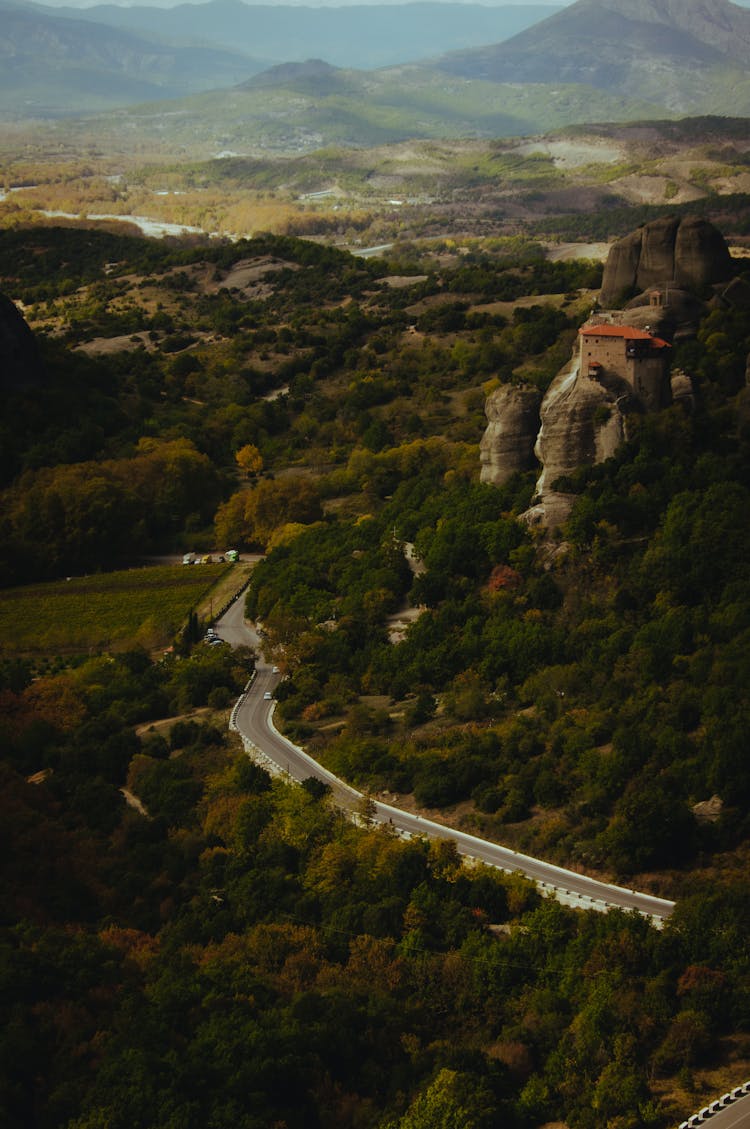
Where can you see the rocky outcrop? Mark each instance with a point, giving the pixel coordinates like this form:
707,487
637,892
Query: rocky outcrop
701,256
578,422
582,422
679,318
507,445
683,392
621,270
20,364
620,365
688,253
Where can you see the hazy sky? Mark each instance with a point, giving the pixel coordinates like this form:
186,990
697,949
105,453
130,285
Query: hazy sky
552,4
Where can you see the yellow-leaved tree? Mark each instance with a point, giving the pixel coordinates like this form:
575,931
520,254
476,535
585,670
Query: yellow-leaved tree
250,518
249,459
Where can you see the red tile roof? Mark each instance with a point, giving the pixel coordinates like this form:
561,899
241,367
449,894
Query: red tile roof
629,332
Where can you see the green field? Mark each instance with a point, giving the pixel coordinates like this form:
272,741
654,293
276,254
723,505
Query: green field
106,611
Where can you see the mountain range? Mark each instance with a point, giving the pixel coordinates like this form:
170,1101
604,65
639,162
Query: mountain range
71,59
369,35
594,60
54,64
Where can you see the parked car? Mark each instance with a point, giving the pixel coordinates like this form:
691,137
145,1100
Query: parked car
268,696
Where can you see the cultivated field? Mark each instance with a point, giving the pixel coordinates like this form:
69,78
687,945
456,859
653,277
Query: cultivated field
110,611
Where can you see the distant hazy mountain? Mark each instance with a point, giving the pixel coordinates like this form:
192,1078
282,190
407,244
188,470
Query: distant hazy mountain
53,64
685,55
314,76
365,36
296,108
596,60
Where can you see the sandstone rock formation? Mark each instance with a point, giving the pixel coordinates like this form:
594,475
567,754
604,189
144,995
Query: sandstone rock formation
20,365
689,253
683,391
507,445
582,422
680,318
620,364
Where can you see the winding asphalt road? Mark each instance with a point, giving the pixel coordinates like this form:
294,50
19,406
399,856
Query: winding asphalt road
735,1116
253,717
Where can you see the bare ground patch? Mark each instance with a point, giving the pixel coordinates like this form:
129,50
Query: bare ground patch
638,189
570,154
568,252
125,343
249,273
401,282
163,725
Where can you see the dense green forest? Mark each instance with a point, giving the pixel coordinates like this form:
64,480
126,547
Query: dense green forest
235,953
244,957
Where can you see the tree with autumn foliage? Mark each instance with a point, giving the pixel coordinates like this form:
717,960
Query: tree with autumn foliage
250,518
87,515
249,460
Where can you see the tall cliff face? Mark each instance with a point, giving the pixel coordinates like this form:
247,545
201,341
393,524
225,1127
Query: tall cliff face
583,417
507,445
689,253
579,421
583,422
20,364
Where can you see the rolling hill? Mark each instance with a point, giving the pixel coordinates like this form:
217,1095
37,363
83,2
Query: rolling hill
291,109
53,64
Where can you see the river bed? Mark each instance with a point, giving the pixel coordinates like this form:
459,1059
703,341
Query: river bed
156,228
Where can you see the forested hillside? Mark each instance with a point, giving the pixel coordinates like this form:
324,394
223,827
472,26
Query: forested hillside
162,365
242,956
604,696
232,952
